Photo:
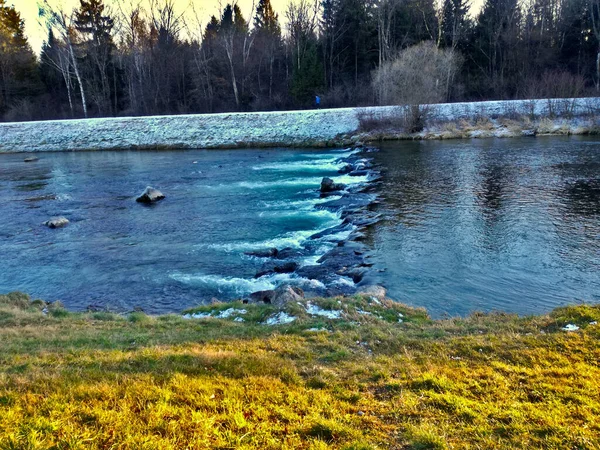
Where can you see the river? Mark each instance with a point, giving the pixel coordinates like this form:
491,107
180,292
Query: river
510,225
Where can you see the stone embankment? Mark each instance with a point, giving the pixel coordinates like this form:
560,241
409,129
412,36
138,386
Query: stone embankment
327,127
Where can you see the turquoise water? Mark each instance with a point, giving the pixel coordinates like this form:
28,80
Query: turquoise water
175,254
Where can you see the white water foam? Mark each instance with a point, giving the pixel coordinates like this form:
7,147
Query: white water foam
337,153
305,205
293,239
244,286
302,214
320,165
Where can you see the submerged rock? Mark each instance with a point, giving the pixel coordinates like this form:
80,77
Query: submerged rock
287,267
266,253
289,252
328,185
150,195
347,168
56,222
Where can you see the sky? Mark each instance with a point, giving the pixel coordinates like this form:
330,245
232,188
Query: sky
205,8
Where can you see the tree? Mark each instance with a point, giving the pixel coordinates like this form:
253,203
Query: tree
64,24
268,43
95,27
307,73
455,24
495,47
54,60
18,69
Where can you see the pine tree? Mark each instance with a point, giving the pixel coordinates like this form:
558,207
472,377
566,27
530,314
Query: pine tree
18,66
92,22
268,44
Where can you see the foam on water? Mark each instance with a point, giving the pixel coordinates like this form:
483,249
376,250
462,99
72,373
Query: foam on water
293,239
304,205
289,182
339,154
245,286
322,214
320,165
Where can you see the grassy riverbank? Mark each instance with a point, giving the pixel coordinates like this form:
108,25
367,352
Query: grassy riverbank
380,376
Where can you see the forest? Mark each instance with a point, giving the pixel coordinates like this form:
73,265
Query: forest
121,58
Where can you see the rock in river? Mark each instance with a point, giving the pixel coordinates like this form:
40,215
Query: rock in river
327,185
56,222
150,195
266,253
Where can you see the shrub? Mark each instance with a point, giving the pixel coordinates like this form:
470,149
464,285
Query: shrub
420,74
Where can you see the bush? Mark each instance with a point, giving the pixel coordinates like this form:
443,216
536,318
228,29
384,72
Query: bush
420,74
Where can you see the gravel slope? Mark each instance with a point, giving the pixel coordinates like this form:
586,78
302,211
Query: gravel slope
230,130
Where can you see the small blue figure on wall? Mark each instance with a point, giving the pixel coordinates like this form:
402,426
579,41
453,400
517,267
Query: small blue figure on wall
318,101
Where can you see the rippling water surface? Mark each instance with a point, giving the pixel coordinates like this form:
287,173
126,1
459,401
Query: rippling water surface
175,254
510,225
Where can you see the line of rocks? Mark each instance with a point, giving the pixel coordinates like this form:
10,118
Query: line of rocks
348,261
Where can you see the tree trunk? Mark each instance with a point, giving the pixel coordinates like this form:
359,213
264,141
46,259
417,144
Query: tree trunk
79,81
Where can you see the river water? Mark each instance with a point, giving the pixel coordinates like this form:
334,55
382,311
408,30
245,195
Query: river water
511,225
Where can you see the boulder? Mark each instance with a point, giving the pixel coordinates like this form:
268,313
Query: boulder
262,296
328,185
286,294
376,291
315,272
347,168
150,195
278,297
287,267
31,159
357,273
266,253
56,222
289,252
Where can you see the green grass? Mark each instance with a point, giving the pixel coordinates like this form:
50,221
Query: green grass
101,380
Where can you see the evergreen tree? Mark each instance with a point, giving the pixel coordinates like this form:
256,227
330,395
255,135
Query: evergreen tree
92,22
268,46
19,79
455,24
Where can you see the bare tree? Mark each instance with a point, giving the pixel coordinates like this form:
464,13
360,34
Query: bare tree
64,24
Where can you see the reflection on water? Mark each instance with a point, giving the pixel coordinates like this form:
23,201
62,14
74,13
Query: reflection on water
508,225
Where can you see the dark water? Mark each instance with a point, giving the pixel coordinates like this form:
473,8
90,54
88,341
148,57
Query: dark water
509,225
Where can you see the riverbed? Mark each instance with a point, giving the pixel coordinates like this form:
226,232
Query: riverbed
510,225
